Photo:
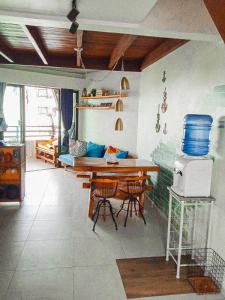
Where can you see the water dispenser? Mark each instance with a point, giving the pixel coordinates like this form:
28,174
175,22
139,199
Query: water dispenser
193,171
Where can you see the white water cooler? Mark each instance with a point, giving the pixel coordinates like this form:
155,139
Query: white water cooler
192,176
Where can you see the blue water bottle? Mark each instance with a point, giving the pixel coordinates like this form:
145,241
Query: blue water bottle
196,134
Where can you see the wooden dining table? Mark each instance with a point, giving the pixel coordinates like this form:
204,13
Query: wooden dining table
99,167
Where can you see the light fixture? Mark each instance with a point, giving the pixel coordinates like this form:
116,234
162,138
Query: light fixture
124,84
74,27
72,15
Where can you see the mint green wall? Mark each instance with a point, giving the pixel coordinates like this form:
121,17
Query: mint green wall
194,73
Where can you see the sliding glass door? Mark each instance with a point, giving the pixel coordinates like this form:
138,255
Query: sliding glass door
13,107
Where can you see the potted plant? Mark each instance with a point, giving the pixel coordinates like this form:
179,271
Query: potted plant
93,92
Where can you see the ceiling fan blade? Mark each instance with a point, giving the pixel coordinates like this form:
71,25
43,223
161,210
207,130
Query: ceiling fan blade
78,59
79,38
79,46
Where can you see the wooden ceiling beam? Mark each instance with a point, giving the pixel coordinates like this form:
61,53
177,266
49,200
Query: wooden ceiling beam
216,9
168,46
34,37
5,51
124,43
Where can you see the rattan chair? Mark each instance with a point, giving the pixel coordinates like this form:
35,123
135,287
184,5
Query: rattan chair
103,189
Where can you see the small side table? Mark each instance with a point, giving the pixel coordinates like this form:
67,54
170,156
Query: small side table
184,221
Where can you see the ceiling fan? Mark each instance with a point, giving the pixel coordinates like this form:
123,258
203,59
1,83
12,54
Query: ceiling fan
72,16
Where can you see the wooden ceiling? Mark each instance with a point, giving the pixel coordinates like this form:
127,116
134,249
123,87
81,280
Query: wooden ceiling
31,45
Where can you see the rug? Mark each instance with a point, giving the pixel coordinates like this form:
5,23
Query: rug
152,276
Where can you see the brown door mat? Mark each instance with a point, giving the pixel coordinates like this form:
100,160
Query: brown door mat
152,276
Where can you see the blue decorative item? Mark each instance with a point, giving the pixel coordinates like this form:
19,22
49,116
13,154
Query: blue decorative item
66,159
95,150
196,134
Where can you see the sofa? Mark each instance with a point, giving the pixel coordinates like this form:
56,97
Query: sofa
93,150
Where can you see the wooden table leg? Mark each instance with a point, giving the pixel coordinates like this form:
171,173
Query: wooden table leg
142,197
91,199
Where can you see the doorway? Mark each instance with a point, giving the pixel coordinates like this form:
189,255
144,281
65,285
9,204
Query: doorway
34,117
14,114
41,127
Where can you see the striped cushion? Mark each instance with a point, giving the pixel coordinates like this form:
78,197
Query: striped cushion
78,148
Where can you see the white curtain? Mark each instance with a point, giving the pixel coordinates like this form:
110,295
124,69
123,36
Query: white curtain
3,125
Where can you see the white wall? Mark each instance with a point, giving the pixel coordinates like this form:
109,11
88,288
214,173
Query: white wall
40,79
193,72
99,125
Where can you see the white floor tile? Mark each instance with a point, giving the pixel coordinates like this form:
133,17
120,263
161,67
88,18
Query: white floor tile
98,283
10,254
90,251
46,254
51,230
103,251
142,247
54,284
56,198
5,278
14,231
17,212
58,212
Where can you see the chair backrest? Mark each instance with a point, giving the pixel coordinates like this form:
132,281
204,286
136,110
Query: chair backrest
134,185
104,188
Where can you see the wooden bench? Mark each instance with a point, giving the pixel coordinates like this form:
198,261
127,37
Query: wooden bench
46,151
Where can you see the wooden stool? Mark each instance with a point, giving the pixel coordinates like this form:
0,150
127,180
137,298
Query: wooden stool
133,188
103,189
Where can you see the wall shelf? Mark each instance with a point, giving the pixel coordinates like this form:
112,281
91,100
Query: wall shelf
105,97
96,107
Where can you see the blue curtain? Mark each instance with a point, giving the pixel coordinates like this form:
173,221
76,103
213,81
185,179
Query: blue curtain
73,128
67,113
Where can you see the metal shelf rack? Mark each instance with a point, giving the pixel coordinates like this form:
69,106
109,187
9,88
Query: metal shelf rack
189,223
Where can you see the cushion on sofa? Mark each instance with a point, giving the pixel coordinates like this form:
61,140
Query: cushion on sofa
120,153
95,150
78,148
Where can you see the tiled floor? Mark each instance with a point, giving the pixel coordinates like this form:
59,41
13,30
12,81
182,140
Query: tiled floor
48,250
33,164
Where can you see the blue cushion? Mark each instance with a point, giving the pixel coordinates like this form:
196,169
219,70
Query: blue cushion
66,159
95,150
122,154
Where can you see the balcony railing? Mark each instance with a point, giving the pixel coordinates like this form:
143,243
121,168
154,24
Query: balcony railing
13,133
